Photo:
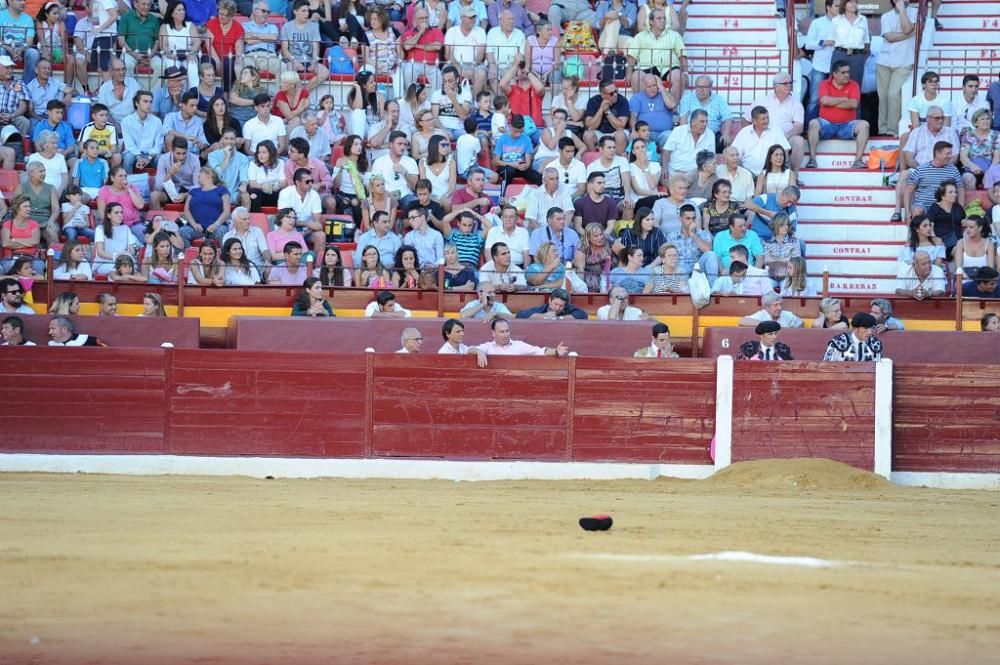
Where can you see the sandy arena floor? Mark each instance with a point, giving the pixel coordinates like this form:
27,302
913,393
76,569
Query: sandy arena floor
109,569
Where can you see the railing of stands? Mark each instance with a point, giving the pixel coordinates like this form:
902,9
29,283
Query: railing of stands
793,42
919,32
951,63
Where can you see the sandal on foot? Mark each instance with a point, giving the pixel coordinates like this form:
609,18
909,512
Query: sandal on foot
859,164
811,164
896,217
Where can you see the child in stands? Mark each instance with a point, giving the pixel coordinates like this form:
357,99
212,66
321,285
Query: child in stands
105,134
501,117
76,215
91,171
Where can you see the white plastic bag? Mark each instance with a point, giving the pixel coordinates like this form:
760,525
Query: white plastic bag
701,290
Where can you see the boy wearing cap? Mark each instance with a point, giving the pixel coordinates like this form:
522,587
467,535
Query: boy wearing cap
858,345
768,348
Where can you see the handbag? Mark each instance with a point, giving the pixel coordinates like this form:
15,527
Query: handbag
883,158
699,288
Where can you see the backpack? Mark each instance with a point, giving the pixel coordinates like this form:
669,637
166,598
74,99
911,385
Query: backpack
613,67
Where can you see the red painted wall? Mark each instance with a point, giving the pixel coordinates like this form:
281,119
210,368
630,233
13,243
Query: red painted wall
946,418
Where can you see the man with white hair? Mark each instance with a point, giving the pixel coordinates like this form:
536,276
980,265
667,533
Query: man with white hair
411,339
62,332
260,38
13,102
503,43
549,195
251,237
421,46
740,179
720,117
655,104
921,279
787,115
681,149
618,307
772,311
754,141
319,139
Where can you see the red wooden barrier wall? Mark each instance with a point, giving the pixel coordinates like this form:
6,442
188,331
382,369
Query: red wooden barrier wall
783,410
946,418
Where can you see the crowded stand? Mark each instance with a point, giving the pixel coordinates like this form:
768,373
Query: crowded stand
499,148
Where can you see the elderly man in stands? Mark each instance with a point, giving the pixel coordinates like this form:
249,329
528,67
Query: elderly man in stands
857,345
12,297
486,307
13,103
292,272
787,115
738,234
44,88
839,101
655,105
317,137
503,345
720,116
118,92
453,332
411,339
251,237
555,231
766,206
658,50
12,332
385,307
923,182
465,44
741,181
921,279
772,311
753,141
618,307
500,270
557,308
549,195
921,148
62,332
138,34
381,238
881,309
422,48
512,236
503,43
660,346
681,149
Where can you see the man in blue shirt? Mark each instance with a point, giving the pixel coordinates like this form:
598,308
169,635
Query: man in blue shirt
558,307
141,134
44,88
766,206
655,105
513,154
985,284
720,116
17,33
381,238
229,163
55,110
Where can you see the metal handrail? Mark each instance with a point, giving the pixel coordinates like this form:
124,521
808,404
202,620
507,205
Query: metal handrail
919,37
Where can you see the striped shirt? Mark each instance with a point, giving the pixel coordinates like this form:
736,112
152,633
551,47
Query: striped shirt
469,246
928,177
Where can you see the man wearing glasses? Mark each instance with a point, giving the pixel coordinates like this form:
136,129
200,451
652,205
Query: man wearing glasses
138,33
398,169
712,103
920,149
13,299
260,39
787,115
428,242
572,172
411,339
305,201
607,114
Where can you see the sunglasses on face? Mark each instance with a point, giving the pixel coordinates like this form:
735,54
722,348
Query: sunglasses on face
14,291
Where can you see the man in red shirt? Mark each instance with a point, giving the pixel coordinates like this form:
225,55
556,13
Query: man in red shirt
524,90
422,45
839,98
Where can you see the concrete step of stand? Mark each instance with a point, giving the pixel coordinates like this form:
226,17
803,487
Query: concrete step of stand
850,231
838,177
969,22
886,249
862,286
875,267
695,38
967,8
755,8
967,38
730,22
847,196
853,212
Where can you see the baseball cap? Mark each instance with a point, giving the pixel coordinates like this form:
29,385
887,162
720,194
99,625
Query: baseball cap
6,61
468,10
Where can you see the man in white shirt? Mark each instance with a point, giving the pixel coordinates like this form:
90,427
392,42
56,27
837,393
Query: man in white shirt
411,339
753,142
894,64
503,345
549,195
571,171
966,104
500,271
452,103
921,279
617,176
660,346
398,169
384,307
514,237
787,115
265,127
453,332
772,311
305,201
251,237
741,180
486,307
686,142
618,307
503,43
465,48
819,40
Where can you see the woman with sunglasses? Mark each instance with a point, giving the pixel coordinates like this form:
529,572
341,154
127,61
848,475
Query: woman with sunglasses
284,234
379,200
439,169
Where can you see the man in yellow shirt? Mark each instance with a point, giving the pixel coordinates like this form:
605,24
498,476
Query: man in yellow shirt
659,51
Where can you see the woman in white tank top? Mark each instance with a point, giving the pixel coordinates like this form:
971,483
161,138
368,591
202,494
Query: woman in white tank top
439,168
976,249
178,36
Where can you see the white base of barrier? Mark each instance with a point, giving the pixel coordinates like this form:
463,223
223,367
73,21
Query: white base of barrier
285,467
946,480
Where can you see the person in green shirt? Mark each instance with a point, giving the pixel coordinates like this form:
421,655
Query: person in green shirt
137,35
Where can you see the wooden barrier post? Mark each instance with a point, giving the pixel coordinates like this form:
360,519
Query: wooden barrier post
959,273
181,281
50,256
440,298
826,282
695,352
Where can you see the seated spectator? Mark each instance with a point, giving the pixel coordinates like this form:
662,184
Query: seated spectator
207,208
772,311
12,301
458,276
788,115
467,238
44,88
317,136
370,272
881,309
440,171
667,277
541,200
428,242
643,175
52,121
766,206
513,154
118,92
796,283
291,101
667,210
452,103
167,98
946,216
265,178
62,332
768,348
123,269
919,107
858,345
331,270
557,307
427,129
595,258
984,284
101,130
12,332
660,347
300,45
505,39
617,175
398,171
754,141
607,114
284,233
176,175
980,149
14,105
141,131
308,208
631,275
350,175
112,240
703,178
298,158
381,238
694,246
738,234
715,105
976,249
21,235
757,281
75,215
926,147
229,163
206,269
225,36
920,280
160,266
152,306
592,208
515,238
90,172
733,283
741,181
422,44
547,272
366,106
564,240
239,269
776,176
260,39
503,345
292,272
551,141
618,308
658,50
831,315
486,307
72,263
312,301
780,248
411,339
655,104
246,90
265,126
185,123
839,102
385,307
44,202
53,161
686,141
407,272
716,211
501,271
990,322
453,332
645,234
525,91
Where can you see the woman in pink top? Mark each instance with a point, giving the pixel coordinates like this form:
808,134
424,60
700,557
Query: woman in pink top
543,53
118,190
284,234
